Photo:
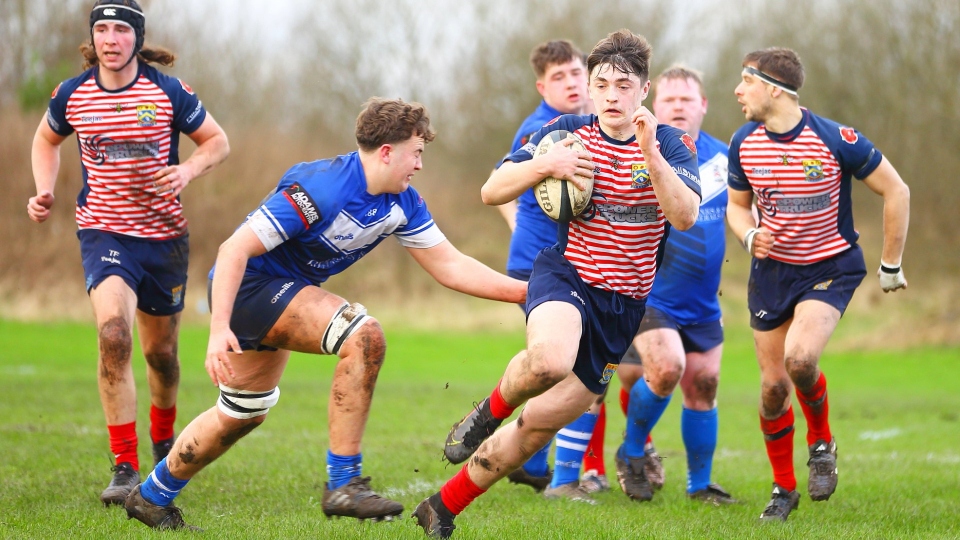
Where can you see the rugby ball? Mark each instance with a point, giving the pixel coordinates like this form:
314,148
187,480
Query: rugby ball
560,199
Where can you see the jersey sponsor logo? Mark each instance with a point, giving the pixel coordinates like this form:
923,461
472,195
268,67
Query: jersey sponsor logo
766,202
55,90
99,149
186,87
301,200
687,174
176,295
608,373
849,135
640,176
803,205
688,141
822,286
621,213
286,286
343,237
762,171
195,112
112,257
760,314
91,119
813,169
53,123
147,115
785,158
577,296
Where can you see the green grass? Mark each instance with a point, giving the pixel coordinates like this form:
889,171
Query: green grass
895,415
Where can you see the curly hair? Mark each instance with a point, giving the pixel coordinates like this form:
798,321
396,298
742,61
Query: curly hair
389,121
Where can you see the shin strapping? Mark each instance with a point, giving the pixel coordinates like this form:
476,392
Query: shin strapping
243,404
347,320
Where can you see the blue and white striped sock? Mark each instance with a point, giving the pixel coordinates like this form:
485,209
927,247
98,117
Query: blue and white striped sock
341,469
161,487
571,446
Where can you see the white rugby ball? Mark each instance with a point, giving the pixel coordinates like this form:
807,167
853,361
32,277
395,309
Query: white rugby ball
560,199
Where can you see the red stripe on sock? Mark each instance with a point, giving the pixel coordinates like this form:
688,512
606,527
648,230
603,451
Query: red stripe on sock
161,423
818,417
780,451
459,492
498,407
624,400
123,444
593,459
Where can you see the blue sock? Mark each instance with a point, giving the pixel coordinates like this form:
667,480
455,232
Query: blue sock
341,469
161,487
699,429
537,464
644,412
571,446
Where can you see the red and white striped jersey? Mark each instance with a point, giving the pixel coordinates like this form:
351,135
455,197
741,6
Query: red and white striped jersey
124,137
616,244
802,183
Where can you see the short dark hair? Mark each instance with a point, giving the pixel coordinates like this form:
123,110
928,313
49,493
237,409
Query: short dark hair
780,63
548,53
625,51
682,72
389,121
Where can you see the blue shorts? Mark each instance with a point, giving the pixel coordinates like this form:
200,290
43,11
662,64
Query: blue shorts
260,302
156,270
700,337
775,288
610,320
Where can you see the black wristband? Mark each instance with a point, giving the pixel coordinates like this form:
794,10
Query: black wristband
889,270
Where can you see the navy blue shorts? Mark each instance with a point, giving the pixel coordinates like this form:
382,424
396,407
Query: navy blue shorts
610,320
699,337
156,270
260,302
775,288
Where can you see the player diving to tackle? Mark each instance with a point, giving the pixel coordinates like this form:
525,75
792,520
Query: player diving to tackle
266,301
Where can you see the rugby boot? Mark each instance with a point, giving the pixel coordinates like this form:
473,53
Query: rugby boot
631,473
151,515
571,491
594,482
123,482
434,517
823,469
782,502
355,499
161,449
713,494
469,433
538,483
654,467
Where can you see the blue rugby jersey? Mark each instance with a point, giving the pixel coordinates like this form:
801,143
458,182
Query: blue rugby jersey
320,220
689,277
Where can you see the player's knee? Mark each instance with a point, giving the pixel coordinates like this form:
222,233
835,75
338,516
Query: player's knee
665,377
164,363
347,321
116,343
803,369
543,366
703,388
370,342
774,398
246,407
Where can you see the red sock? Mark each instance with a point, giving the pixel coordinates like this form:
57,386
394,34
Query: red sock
161,423
624,400
593,459
459,492
500,408
649,439
816,410
123,444
778,436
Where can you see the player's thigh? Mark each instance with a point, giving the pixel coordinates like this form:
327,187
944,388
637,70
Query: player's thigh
258,371
553,333
770,346
661,350
813,324
301,325
113,298
158,333
561,404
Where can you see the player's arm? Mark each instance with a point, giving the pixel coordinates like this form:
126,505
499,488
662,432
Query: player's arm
511,179
886,182
212,148
232,259
45,160
756,240
680,204
462,273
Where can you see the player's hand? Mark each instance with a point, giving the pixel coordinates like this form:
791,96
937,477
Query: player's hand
891,281
758,242
218,366
570,164
170,181
38,207
645,124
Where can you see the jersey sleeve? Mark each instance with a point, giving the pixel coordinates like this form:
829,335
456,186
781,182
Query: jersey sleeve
736,178
420,231
188,111
680,151
57,109
857,155
289,212
569,122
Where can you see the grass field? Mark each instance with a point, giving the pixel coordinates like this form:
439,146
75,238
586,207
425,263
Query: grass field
896,416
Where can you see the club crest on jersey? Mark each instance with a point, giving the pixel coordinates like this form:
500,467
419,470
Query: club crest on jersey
639,176
822,286
813,169
118,108
186,87
848,134
688,141
176,295
304,204
146,115
785,158
608,373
